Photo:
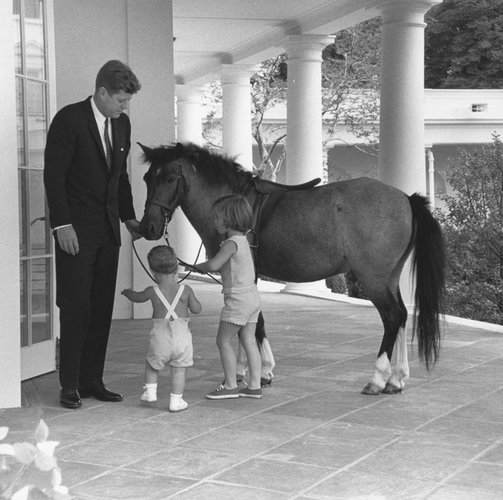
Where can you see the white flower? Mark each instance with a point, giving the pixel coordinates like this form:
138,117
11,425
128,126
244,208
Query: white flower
56,482
22,494
3,432
6,449
41,455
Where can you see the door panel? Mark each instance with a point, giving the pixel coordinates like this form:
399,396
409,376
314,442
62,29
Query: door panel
38,343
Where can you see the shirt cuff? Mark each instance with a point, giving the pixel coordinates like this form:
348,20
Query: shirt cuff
60,227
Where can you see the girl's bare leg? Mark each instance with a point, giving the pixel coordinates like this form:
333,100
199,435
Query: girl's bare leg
247,336
226,332
242,363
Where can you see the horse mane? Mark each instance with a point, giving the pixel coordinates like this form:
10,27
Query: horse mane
216,168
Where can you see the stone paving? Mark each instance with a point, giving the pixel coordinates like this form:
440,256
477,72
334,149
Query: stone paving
312,436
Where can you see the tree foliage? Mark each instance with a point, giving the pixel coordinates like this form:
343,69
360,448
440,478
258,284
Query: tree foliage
350,81
464,44
268,88
473,227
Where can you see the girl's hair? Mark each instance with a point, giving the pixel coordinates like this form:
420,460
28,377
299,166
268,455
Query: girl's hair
162,260
235,211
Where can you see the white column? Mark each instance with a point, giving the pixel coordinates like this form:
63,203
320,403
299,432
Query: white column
150,55
304,140
188,129
10,351
401,149
304,149
237,140
431,175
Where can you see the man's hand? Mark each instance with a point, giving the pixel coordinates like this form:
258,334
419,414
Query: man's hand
133,226
67,240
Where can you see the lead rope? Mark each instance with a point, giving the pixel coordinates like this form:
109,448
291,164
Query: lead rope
191,267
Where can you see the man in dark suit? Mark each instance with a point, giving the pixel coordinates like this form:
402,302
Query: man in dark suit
88,194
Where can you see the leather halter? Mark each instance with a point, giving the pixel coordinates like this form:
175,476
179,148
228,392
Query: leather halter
169,207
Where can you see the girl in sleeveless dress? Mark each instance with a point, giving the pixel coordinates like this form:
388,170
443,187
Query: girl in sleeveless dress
233,217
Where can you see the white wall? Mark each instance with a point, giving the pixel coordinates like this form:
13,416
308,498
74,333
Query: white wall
140,33
150,47
10,354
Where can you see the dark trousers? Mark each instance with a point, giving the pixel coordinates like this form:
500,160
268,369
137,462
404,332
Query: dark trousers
85,289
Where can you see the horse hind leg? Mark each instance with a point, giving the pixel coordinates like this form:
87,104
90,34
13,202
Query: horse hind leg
388,378
399,361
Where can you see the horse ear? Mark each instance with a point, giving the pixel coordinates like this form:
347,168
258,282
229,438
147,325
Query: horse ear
179,148
147,151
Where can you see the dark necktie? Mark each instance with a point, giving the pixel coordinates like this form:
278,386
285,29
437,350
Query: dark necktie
108,147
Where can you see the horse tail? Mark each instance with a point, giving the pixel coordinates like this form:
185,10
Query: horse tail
428,266
260,330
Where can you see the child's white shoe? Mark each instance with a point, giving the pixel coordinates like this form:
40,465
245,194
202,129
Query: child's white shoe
177,403
149,393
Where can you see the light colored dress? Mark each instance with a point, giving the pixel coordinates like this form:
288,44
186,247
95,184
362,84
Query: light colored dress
241,297
170,337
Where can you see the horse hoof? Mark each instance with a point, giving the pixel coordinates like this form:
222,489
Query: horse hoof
391,389
265,382
371,390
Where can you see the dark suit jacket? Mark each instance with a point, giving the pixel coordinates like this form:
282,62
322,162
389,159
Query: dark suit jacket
80,190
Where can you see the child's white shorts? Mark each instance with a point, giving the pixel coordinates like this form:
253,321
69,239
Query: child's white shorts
241,308
170,343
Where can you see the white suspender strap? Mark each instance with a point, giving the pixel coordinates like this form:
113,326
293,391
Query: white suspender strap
170,307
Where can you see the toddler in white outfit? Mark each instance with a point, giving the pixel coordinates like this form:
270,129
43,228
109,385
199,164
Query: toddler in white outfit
170,337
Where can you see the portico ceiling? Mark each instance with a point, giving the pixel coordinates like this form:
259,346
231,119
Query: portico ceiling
209,33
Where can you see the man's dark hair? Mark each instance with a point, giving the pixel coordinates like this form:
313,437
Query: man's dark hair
115,76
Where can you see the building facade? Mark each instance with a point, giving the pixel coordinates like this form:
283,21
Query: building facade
50,51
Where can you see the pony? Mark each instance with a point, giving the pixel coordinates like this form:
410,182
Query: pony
305,233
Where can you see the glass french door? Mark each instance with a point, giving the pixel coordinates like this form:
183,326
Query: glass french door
38,345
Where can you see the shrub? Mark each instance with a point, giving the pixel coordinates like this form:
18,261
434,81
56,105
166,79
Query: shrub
40,455
473,227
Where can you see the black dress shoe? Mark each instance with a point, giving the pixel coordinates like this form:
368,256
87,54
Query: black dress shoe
70,398
101,393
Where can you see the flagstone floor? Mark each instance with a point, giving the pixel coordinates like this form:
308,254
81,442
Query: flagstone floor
312,436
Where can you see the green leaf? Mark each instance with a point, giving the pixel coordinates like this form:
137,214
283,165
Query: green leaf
22,494
44,462
6,449
24,452
42,432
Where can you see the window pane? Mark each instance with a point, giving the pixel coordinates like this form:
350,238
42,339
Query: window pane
41,300
34,35
21,146
39,225
23,212
16,9
24,303
37,122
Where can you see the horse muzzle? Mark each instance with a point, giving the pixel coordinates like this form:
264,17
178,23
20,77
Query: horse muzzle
154,223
